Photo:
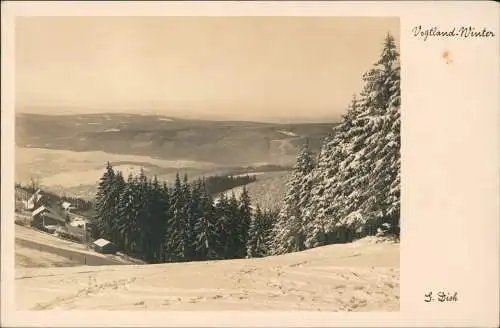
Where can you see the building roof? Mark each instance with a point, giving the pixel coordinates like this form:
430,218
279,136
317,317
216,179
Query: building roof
39,210
102,242
77,222
36,195
54,216
48,212
30,203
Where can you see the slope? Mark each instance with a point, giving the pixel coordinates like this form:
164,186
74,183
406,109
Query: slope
361,276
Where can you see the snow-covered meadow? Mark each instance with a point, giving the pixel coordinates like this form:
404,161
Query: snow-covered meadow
360,276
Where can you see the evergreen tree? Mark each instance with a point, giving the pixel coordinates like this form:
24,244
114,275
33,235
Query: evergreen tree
357,179
222,227
321,212
104,203
205,233
233,240
158,205
259,233
116,191
127,216
385,183
189,213
144,214
245,216
166,219
175,235
205,239
288,232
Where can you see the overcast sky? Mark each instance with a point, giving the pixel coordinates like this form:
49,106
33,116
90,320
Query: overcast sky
258,68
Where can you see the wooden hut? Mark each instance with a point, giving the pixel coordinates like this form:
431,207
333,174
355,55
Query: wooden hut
104,246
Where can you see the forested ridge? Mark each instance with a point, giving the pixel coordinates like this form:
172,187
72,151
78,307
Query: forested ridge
346,191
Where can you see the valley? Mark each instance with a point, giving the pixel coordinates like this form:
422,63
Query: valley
226,143
67,154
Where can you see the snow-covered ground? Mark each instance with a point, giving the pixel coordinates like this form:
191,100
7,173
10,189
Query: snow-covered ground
267,191
28,236
30,257
247,174
77,173
361,276
32,235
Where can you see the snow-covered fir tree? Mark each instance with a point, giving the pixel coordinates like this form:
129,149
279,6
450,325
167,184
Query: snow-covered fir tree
233,230
205,240
223,222
259,232
245,216
321,210
174,239
356,181
189,217
127,216
116,190
288,231
104,203
158,204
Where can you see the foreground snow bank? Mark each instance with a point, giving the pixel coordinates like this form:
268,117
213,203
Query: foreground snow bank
360,276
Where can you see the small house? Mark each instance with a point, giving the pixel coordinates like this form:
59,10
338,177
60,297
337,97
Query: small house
45,216
104,246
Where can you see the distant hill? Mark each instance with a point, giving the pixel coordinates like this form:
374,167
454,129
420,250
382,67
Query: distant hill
221,142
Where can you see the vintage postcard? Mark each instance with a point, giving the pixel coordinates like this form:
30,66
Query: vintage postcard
250,164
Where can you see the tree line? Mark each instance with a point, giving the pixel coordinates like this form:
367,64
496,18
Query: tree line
181,222
220,183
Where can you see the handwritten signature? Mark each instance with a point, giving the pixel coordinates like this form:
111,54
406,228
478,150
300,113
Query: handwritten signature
441,297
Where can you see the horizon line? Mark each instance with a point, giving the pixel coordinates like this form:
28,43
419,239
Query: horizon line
195,117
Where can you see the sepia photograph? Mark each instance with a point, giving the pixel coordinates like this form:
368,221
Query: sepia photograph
207,163
250,164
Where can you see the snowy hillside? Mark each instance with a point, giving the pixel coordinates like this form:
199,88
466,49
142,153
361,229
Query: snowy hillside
360,276
267,191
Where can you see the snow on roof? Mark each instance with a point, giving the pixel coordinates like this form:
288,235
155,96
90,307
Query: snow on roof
102,242
77,222
38,210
